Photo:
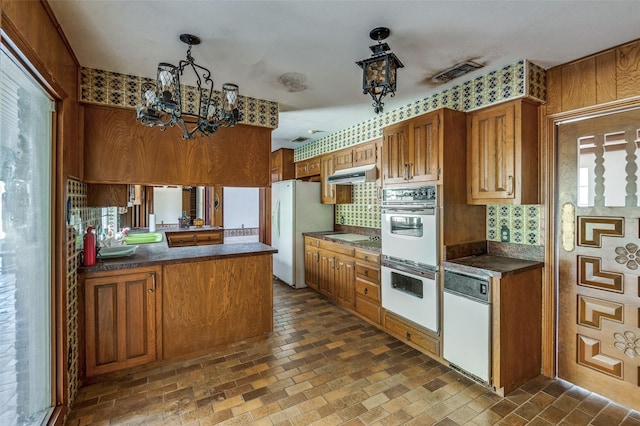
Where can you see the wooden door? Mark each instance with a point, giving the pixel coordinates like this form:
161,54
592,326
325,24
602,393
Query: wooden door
598,255
424,164
119,321
491,152
395,157
345,283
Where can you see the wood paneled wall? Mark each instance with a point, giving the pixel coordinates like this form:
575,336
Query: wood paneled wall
605,77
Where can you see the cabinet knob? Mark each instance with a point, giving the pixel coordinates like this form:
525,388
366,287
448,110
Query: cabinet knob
366,258
408,336
366,273
366,291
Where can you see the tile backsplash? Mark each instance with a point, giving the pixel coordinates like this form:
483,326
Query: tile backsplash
522,79
514,224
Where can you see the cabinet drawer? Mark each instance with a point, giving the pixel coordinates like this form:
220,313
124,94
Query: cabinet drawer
205,238
181,239
313,242
368,256
368,289
368,309
410,333
368,272
337,248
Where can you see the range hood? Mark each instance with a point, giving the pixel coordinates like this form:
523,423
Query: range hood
354,175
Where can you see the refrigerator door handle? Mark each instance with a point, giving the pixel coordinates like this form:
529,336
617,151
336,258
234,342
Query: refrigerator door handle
278,217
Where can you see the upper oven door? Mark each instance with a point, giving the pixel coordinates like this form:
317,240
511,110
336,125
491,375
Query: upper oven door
410,235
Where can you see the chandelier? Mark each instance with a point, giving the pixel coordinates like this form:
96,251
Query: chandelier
162,99
379,71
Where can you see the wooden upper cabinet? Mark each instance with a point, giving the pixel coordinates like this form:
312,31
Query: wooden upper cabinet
308,168
282,165
425,142
343,159
358,155
331,193
118,149
411,150
502,154
395,153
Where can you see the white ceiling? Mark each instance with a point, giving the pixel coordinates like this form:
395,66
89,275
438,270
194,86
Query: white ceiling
253,43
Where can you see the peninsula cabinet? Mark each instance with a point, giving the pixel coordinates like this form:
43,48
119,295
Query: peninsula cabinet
120,150
502,154
413,150
120,319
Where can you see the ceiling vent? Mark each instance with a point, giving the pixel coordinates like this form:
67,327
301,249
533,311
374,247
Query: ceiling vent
456,71
299,139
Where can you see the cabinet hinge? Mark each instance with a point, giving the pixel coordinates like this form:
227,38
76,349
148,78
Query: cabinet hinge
438,122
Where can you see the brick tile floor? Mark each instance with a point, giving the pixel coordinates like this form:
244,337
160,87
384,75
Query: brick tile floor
324,366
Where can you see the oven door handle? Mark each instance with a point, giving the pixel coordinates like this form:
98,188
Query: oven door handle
428,211
431,275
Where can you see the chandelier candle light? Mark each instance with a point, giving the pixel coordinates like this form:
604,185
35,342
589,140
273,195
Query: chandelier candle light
379,71
163,100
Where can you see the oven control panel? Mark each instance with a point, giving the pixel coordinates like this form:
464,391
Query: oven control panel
420,194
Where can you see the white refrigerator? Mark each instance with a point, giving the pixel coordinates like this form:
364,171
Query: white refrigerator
295,208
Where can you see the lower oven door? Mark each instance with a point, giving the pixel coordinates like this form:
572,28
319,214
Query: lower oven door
412,294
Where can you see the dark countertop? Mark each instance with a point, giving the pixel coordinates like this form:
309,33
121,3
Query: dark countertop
160,254
367,242
491,265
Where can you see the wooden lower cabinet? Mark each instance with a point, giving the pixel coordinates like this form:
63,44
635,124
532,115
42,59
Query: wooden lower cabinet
312,262
411,334
345,275
368,285
345,281
120,319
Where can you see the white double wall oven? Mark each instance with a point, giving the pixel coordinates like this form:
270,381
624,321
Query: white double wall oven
410,254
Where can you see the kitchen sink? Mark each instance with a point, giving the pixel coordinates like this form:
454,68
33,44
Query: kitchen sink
143,238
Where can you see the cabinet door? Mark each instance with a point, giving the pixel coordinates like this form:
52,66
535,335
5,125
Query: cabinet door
311,267
491,153
364,154
327,191
424,162
343,159
395,154
327,273
119,322
345,288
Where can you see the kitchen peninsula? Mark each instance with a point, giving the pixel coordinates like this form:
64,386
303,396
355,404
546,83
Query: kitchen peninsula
165,303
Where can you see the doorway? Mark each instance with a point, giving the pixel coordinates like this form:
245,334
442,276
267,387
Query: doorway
598,253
